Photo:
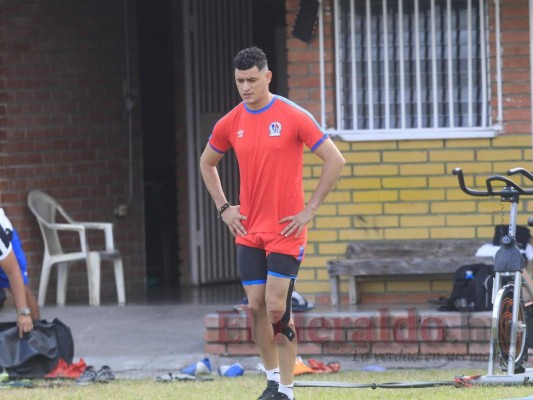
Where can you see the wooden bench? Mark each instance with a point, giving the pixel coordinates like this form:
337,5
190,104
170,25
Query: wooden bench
400,260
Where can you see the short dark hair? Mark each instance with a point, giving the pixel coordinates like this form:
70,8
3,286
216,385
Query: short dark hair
249,58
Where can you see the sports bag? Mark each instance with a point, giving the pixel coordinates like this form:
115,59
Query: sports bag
472,288
37,352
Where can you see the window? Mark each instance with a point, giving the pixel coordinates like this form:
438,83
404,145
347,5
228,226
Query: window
412,66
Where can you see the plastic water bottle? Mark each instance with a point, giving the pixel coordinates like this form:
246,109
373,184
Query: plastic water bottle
469,274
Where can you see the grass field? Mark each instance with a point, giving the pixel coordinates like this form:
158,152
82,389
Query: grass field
249,387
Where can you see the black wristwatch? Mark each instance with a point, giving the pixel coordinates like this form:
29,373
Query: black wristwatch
24,311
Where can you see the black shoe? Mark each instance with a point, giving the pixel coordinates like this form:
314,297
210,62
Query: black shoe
272,387
279,396
88,376
105,374
519,369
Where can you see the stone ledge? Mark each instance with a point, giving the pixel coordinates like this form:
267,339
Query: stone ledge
377,331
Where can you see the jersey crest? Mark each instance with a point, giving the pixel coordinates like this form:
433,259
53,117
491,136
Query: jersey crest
274,129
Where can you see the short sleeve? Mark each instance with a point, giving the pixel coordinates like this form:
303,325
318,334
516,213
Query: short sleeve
6,234
310,132
219,139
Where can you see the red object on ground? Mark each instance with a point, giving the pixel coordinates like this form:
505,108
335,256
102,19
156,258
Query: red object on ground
67,371
58,369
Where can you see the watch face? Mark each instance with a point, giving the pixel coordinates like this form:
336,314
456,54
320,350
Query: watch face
24,311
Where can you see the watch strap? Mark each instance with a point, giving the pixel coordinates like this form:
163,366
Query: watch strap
24,311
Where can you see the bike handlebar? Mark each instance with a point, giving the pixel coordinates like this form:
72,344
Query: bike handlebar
511,187
522,171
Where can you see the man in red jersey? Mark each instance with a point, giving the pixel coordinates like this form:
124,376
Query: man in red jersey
268,134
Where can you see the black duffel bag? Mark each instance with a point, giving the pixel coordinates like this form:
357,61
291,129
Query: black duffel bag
38,352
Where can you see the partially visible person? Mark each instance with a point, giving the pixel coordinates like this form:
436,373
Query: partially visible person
14,276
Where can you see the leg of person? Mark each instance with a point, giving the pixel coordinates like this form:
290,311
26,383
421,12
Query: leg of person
253,269
282,271
279,291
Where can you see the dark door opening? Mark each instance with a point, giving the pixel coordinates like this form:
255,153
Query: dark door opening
159,143
160,38
269,33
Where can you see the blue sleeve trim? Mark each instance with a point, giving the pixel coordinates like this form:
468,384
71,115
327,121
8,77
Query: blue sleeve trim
256,282
281,275
217,150
319,143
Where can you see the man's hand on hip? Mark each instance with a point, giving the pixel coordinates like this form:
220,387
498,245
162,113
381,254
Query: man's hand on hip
232,217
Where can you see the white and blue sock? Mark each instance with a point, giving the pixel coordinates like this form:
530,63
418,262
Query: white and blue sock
287,390
273,374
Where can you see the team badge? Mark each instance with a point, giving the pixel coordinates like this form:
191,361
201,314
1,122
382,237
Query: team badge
274,129
240,133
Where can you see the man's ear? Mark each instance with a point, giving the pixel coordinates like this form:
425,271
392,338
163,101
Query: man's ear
268,76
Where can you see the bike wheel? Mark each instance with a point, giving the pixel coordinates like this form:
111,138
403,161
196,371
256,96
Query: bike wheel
502,325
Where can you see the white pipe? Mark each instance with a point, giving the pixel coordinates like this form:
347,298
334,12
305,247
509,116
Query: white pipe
418,73
322,73
531,62
338,87
469,60
354,69
434,67
451,113
499,62
402,67
484,99
386,65
370,83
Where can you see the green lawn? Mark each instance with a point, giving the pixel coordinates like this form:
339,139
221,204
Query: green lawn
250,386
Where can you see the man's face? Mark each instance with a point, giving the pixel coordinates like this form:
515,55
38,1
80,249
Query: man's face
253,86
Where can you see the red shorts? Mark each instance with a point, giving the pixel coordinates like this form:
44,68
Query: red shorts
276,243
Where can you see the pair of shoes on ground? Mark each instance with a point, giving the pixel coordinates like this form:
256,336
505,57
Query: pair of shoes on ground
271,392
67,371
231,371
103,375
202,367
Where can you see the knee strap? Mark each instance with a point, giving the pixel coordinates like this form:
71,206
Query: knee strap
282,325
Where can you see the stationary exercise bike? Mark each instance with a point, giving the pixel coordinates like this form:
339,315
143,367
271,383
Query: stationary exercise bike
511,283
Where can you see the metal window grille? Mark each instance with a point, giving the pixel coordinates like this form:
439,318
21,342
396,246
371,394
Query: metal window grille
411,65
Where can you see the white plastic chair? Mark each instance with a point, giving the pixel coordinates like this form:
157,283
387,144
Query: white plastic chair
47,210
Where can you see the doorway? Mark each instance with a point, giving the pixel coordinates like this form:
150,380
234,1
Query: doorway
155,32
214,32
175,103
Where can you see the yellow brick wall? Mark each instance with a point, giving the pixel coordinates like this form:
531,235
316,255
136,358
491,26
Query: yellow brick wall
405,190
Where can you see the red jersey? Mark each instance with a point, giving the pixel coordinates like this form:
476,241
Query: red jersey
268,144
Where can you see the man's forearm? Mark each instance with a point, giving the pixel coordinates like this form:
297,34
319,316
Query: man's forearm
328,178
213,185
16,284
